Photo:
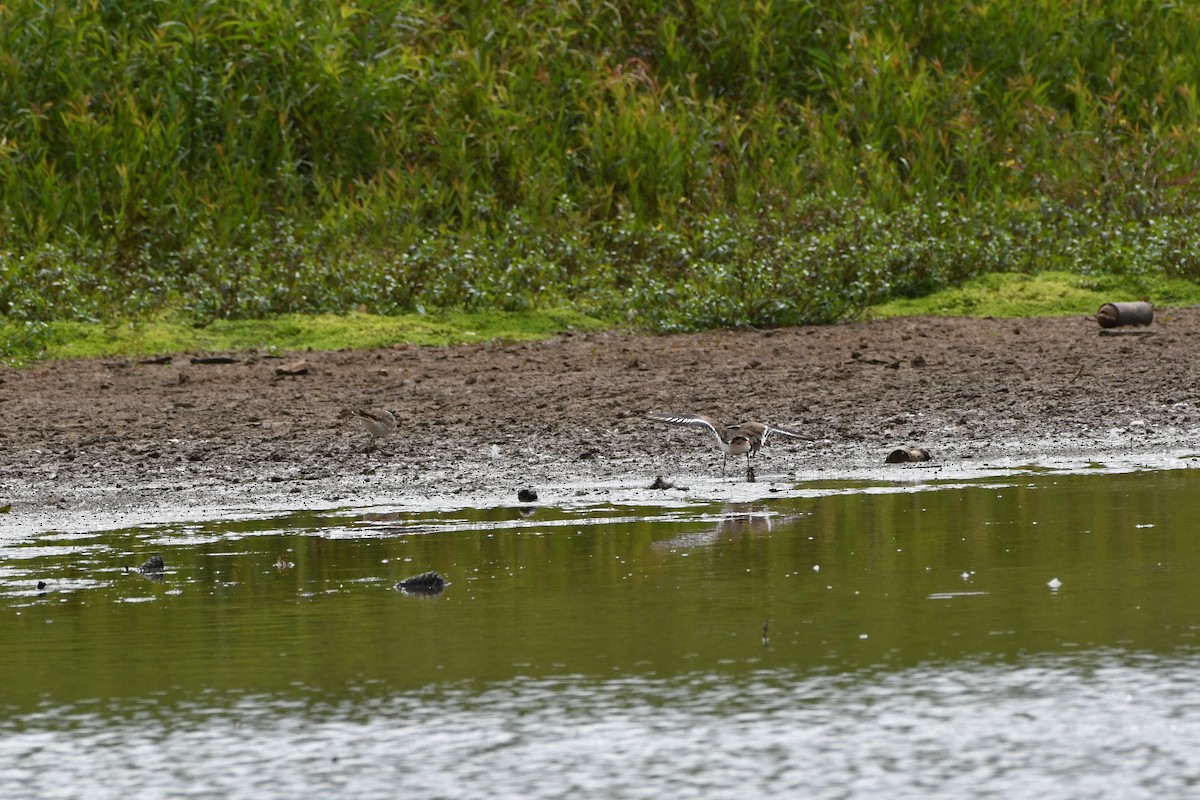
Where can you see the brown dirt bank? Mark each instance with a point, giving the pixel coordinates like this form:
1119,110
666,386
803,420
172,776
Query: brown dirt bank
85,439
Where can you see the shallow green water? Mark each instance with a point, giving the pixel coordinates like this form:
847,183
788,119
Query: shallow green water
907,637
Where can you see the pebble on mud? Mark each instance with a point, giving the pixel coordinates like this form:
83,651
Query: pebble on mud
905,454
527,495
300,367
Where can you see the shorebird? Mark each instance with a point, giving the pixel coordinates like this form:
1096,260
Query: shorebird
380,424
734,440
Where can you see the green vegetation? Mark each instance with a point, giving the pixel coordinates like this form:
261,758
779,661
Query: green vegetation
1043,295
666,164
69,339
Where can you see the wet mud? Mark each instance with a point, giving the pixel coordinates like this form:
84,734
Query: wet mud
107,442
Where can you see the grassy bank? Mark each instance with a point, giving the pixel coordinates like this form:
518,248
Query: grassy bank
994,295
285,333
673,165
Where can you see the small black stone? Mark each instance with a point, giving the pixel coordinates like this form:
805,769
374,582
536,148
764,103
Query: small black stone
527,496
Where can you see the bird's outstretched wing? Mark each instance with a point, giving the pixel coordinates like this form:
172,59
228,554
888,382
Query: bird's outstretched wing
690,420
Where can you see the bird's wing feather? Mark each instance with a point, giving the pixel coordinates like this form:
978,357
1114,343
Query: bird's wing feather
785,432
690,420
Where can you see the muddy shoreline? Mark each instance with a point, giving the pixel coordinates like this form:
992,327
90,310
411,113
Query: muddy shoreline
111,442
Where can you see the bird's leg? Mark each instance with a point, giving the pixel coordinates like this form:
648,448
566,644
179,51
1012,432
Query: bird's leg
750,476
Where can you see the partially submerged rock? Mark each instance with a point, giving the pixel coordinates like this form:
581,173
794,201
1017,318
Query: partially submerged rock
152,565
151,569
425,583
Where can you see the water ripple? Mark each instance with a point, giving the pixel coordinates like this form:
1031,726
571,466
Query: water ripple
1095,724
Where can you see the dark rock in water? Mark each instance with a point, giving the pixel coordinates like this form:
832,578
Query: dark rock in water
41,584
527,496
152,564
425,583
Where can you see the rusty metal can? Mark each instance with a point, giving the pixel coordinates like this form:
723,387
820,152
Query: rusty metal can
1114,315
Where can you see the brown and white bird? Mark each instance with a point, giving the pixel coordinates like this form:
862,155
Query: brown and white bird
380,424
734,440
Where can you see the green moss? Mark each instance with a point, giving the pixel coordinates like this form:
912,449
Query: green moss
1043,295
285,333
